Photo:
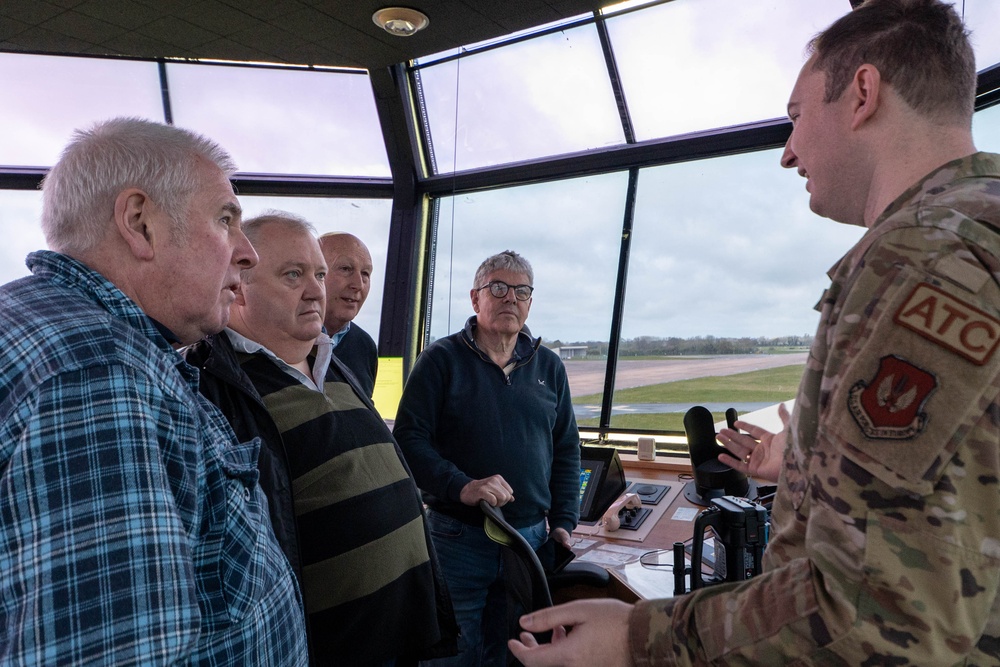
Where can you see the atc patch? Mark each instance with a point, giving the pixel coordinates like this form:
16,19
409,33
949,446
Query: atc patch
891,405
951,323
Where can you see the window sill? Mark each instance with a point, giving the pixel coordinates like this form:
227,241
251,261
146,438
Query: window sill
662,463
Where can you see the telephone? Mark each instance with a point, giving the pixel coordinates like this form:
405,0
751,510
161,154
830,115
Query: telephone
612,520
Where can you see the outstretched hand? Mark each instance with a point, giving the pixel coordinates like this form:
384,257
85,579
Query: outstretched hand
758,452
598,636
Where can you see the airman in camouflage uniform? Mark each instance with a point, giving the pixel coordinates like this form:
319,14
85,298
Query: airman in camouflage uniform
886,525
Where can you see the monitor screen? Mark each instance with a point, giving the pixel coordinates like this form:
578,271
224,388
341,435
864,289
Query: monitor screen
601,481
590,481
585,475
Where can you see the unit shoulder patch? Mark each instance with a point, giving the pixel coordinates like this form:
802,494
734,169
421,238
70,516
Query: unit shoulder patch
890,405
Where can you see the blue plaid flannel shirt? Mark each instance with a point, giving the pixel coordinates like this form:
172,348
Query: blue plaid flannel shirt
132,529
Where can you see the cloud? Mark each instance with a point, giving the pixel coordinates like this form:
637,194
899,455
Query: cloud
22,231
47,97
283,121
724,247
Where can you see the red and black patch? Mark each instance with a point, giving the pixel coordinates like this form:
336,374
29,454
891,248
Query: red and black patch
890,406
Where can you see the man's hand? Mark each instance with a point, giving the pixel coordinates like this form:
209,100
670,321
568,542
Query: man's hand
760,453
562,537
598,635
495,490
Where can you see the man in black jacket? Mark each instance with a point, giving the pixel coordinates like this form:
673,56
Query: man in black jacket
348,280
342,500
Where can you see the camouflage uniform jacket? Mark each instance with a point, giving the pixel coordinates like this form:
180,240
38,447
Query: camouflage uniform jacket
885,542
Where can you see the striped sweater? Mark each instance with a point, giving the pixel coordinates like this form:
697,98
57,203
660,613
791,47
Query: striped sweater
366,571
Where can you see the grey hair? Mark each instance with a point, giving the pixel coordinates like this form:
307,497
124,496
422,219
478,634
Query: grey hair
253,227
508,260
79,192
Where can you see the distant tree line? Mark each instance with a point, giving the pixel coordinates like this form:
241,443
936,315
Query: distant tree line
644,346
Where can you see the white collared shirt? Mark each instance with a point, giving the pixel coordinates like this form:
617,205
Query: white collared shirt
324,350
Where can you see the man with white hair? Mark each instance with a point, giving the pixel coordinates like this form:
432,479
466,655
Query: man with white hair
132,528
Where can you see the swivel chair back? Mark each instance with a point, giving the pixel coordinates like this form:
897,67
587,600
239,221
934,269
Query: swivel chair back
527,587
528,584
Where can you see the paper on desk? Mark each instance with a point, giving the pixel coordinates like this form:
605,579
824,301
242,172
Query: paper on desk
606,558
685,514
623,549
580,544
612,555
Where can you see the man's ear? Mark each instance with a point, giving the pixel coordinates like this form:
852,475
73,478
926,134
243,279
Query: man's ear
866,92
133,220
474,295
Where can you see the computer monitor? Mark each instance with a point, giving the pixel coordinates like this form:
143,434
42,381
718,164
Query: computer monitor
590,473
602,480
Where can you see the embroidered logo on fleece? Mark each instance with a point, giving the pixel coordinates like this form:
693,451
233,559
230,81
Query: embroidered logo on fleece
890,406
951,323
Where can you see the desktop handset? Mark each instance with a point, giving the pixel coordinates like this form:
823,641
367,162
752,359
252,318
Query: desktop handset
612,519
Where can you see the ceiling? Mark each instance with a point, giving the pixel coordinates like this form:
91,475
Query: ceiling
337,33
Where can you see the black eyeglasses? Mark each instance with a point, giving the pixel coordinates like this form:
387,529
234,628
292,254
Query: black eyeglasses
498,288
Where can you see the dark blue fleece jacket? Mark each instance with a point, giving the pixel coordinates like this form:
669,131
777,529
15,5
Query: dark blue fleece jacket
461,419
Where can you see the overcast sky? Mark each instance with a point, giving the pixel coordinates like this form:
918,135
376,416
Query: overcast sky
724,247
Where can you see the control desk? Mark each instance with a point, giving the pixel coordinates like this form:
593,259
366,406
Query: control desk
640,558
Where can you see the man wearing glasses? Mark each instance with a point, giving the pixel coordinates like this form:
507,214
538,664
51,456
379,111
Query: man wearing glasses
486,415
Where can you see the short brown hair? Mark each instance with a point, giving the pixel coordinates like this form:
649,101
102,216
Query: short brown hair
920,47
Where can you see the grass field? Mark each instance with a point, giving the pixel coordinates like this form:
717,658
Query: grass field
772,385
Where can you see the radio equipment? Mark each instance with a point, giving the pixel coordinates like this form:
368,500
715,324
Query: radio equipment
740,528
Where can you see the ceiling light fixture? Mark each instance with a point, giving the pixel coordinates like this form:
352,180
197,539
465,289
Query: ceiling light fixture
400,21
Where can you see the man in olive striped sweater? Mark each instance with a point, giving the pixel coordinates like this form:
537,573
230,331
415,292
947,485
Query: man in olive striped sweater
344,505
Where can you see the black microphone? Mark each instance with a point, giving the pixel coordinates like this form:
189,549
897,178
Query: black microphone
712,478
699,425
731,417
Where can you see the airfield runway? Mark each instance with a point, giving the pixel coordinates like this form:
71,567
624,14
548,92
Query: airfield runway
587,377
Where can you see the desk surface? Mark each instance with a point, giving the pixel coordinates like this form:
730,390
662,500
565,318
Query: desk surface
653,577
